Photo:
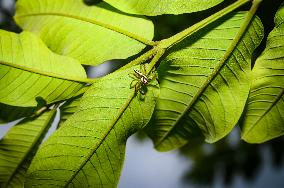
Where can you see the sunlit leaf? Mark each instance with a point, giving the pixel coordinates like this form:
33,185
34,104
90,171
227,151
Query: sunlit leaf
68,109
29,70
91,34
18,147
264,116
88,149
201,90
157,7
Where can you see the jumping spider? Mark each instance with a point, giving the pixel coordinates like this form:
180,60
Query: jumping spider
141,80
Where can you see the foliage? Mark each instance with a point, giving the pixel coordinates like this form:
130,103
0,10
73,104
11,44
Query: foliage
18,145
195,94
152,8
265,107
197,83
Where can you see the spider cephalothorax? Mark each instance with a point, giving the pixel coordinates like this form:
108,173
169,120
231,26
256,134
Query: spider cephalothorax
143,78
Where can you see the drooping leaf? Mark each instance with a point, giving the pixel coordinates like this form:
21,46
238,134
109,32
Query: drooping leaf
29,70
202,89
18,147
11,113
158,7
88,150
91,34
264,116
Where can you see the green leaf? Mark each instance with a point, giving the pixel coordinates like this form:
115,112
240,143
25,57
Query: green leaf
264,116
91,34
158,7
88,150
29,70
68,109
18,146
11,113
204,87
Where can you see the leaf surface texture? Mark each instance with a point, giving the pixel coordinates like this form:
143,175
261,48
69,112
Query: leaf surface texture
88,149
91,34
18,146
28,69
201,92
158,7
264,116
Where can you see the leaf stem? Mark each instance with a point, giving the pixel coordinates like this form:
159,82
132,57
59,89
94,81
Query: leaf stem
169,42
156,58
141,59
44,109
39,111
161,46
157,51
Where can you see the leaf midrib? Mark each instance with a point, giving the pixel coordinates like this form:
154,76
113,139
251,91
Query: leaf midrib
212,76
194,99
279,96
92,21
89,156
45,73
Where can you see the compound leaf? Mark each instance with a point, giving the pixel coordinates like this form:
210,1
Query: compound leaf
158,7
88,149
91,34
202,89
18,146
29,70
264,116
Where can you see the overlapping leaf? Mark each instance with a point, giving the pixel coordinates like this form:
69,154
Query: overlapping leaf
11,113
201,92
68,109
28,69
264,117
88,149
157,7
91,34
18,146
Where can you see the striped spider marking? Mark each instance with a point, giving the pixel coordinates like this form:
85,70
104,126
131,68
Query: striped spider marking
140,80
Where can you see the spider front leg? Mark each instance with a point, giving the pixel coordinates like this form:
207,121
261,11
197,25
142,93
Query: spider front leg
136,85
133,83
134,76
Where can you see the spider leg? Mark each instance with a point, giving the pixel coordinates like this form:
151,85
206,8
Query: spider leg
152,79
153,76
134,76
133,83
153,85
137,87
143,68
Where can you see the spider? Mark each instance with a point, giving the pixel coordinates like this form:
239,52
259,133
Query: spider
140,80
